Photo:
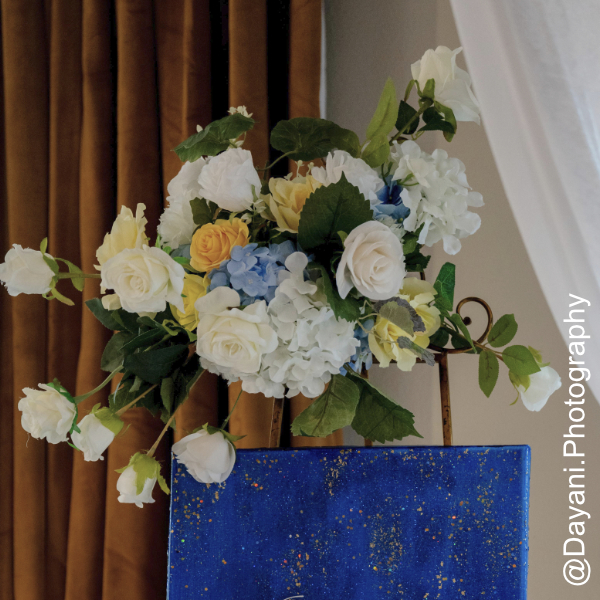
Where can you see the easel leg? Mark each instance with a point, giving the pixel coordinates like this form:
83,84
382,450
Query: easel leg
445,397
276,422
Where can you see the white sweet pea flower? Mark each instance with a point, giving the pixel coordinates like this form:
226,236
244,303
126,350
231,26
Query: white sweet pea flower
137,480
356,170
127,232
452,84
46,414
209,458
144,279
230,180
372,261
542,385
438,196
230,337
96,433
24,271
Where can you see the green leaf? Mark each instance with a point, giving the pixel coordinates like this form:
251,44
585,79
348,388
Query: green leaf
187,376
519,380
377,152
113,354
457,320
429,90
329,209
51,263
214,138
410,242
44,245
202,211
440,338
444,285
56,294
385,114
147,338
108,418
537,355
104,316
78,282
378,418
503,331
334,409
402,314
489,368
305,138
422,353
405,113
126,320
416,262
167,393
154,365
519,360
348,309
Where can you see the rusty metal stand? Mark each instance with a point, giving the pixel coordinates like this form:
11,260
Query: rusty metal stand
442,360
276,423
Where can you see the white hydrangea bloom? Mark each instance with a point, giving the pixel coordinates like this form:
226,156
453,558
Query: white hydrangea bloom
438,196
313,344
396,228
356,170
176,225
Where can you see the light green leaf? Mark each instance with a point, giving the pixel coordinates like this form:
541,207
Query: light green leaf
51,263
503,331
378,418
444,285
489,368
108,418
331,411
386,113
56,294
44,245
78,282
537,355
329,209
377,151
519,360
519,381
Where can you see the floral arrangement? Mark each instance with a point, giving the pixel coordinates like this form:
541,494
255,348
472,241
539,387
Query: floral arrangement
291,285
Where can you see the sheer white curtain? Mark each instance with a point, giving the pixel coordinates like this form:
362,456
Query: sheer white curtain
535,66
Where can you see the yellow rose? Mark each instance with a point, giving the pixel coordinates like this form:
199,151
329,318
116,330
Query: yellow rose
127,232
287,200
194,287
383,336
212,244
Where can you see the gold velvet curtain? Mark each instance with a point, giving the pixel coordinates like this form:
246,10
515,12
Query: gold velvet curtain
94,95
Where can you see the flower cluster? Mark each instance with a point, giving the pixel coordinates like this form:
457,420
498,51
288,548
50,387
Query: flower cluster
291,285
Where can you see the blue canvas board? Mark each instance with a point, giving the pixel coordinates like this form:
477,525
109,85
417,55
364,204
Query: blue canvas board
354,524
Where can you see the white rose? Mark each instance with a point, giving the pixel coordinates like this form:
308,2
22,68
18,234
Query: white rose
97,431
373,262
230,337
144,279
177,226
138,478
230,180
452,84
185,183
24,271
46,414
542,385
356,170
208,458
126,486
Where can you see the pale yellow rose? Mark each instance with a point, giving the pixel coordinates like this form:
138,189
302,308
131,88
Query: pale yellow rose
194,287
383,336
127,232
212,244
287,200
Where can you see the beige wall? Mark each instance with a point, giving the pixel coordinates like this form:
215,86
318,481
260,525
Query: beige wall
366,42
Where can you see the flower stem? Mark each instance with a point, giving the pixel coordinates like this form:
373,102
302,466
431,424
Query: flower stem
231,411
83,397
268,167
79,276
128,406
162,433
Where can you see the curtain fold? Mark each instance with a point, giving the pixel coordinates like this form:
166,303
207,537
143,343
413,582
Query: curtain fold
94,96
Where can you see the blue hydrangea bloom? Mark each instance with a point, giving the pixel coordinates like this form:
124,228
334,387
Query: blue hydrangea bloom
252,271
391,203
363,356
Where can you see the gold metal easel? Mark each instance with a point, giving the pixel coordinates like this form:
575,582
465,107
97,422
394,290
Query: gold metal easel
441,358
